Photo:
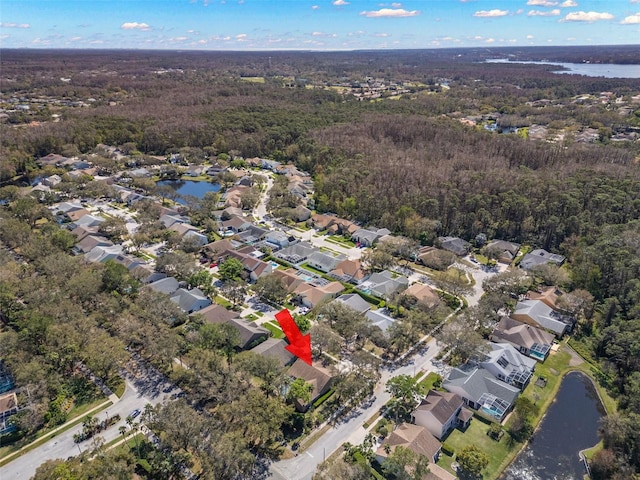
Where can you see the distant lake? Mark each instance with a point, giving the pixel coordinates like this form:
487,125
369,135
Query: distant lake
189,187
588,69
570,425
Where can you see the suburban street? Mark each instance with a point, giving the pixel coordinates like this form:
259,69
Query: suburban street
351,428
148,387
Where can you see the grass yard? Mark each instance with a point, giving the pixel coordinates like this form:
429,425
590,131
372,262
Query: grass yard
476,435
276,331
429,380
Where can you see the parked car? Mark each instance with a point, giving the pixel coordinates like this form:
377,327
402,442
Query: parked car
135,413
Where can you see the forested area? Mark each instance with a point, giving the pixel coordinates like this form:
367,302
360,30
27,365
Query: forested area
407,164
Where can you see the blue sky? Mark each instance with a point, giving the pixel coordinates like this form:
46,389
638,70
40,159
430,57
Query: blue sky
315,24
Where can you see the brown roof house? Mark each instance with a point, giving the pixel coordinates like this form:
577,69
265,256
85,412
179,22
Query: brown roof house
549,296
504,251
413,437
319,377
349,271
289,278
426,295
250,333
529,340
441,412
311,295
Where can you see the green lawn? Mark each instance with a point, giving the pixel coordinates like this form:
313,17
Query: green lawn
429,380
476,435
276,331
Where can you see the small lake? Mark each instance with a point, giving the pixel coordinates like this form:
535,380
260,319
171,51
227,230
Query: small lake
587,69
189,187
570,425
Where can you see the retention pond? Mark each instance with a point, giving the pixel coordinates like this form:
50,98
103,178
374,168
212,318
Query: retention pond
570,425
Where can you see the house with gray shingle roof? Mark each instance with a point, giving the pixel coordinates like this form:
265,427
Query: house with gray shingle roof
275,348
384,284
529,340
540,257
166,285
325,262
508,365
380,318
296,253
439,412
539,314
369,236
355,302
455,245
412,437
482,391
190,300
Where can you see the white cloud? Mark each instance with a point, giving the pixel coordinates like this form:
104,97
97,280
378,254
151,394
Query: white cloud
14,25
134,26
390,12
4,36
478,37
381,35
75,39
491,13
542,3
489,40
339,3
634,1
530,37
587,16
323,34
569,3
314,7
631,19
396,5
241,37
544,13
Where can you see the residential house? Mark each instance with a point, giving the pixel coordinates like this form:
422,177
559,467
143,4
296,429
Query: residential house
8,407
350,271
252,235
289,278
426,296
367,237
234,225
529,340
433,257
320,378
269,164
412,437
540,257
103,253
183,228
296,253
340,226
199,238
354,302
250,333
301,213
325,262
168,285
51,181
190,300
384,284
52,160
277,239
89,242
76,214
86,221
480,390
169,220
380,318
504,251
311,295
214,250
195,170
232,197
6,379
539,314
65,207
254,267
139,173
505,363
441,412
146,274
275,348
549,296
82,232
455,245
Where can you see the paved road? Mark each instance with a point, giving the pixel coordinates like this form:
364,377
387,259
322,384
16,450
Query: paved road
351,428
146,388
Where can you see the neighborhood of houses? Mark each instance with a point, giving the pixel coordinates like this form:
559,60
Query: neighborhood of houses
314,272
